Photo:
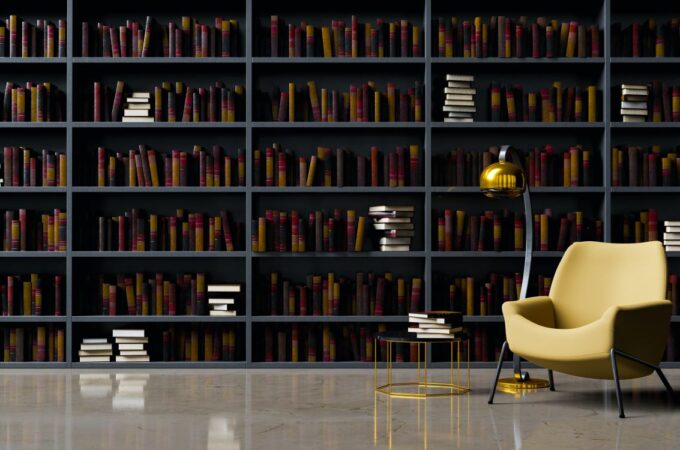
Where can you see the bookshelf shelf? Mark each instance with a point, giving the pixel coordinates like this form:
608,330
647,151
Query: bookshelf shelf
158,190
158,60
262,73
412,254
327,319
180,254
160,365
34,365
518,61
321,60
157,319
33,319
161,125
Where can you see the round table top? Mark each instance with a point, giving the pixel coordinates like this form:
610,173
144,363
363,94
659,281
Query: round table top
405,336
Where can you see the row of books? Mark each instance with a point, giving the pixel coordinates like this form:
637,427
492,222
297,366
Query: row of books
491,230
634,165
21,38
646,38
34,231
360,103
657,101
557,232
366,294
154,295
546,166
32,295
508,37
282,167
485,296
188,38
639,226
33,102
200,343
281,231
33,344
391,38
199,167
129,345
173,102
23,167
556,103
137,230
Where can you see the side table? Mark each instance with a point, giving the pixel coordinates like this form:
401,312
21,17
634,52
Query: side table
453,387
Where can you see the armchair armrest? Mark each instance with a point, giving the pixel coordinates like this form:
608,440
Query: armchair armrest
641,329
535,309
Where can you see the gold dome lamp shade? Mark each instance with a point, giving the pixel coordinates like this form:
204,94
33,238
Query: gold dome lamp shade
502,179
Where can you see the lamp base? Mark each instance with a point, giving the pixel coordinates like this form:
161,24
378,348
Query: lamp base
516,385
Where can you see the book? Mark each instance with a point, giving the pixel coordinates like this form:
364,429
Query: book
132,340
138,119
215,312
224,287
220,301
126,346
91,347
137,358
390,209
132,353
422,335
449,315
94,358
126,333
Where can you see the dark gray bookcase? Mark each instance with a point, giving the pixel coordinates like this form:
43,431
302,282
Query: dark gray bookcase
74,74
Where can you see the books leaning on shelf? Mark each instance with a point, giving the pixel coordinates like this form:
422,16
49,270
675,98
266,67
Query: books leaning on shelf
396,222
634,102
220,297
21,38
436,324
95,350
138,108
671,235
130,345
459,98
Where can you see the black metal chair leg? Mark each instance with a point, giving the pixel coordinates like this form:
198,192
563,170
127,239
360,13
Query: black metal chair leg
665,382
498,371
551,380
615,372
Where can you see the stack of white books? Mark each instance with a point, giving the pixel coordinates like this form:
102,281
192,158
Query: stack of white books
221,300
130,391
671,235
459,100
396,222
436,324
634,102
138,108
95,350
131,345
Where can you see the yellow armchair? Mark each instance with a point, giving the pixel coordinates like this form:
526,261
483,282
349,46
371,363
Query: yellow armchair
605,317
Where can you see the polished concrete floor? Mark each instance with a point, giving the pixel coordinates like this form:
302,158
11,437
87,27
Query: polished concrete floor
318,409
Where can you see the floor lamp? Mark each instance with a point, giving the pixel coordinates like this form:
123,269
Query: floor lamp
505,179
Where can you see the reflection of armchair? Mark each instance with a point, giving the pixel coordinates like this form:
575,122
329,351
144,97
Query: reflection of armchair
605,317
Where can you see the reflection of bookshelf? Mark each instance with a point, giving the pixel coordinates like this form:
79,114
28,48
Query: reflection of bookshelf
74,137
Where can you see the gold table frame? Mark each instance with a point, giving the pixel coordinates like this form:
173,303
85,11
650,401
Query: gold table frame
454,388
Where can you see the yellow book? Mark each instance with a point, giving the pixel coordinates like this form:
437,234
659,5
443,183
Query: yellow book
27,297
391,103
575,163
470,295
261,234
291,102
558,97
592,103
314,100
153,168
199,236
326,42
312,170
62,170
21,103
361,226
352,104
336,294
130,297
485,36
376,106
241,170
331,281
60,345
566,172
544,232
571,39
34,103
227,172
416,37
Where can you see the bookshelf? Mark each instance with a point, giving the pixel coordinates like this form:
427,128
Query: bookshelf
74,74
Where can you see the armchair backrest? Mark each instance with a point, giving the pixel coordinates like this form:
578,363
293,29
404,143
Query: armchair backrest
592,276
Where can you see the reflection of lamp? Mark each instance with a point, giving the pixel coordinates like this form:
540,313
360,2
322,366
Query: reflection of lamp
505,179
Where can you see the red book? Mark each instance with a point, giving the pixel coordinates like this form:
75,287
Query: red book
535,40
147,37
226,231
404,28
186,113
636,39
594,41
374,166
274,32
117,102
115,47
519,41
549,42
121,233
291,40
112,300
22,229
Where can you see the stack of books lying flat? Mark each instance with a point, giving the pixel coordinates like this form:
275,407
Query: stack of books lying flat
459,100
221,296
671,235
131,345
634,99
436,324
396,222
138,108
95,350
